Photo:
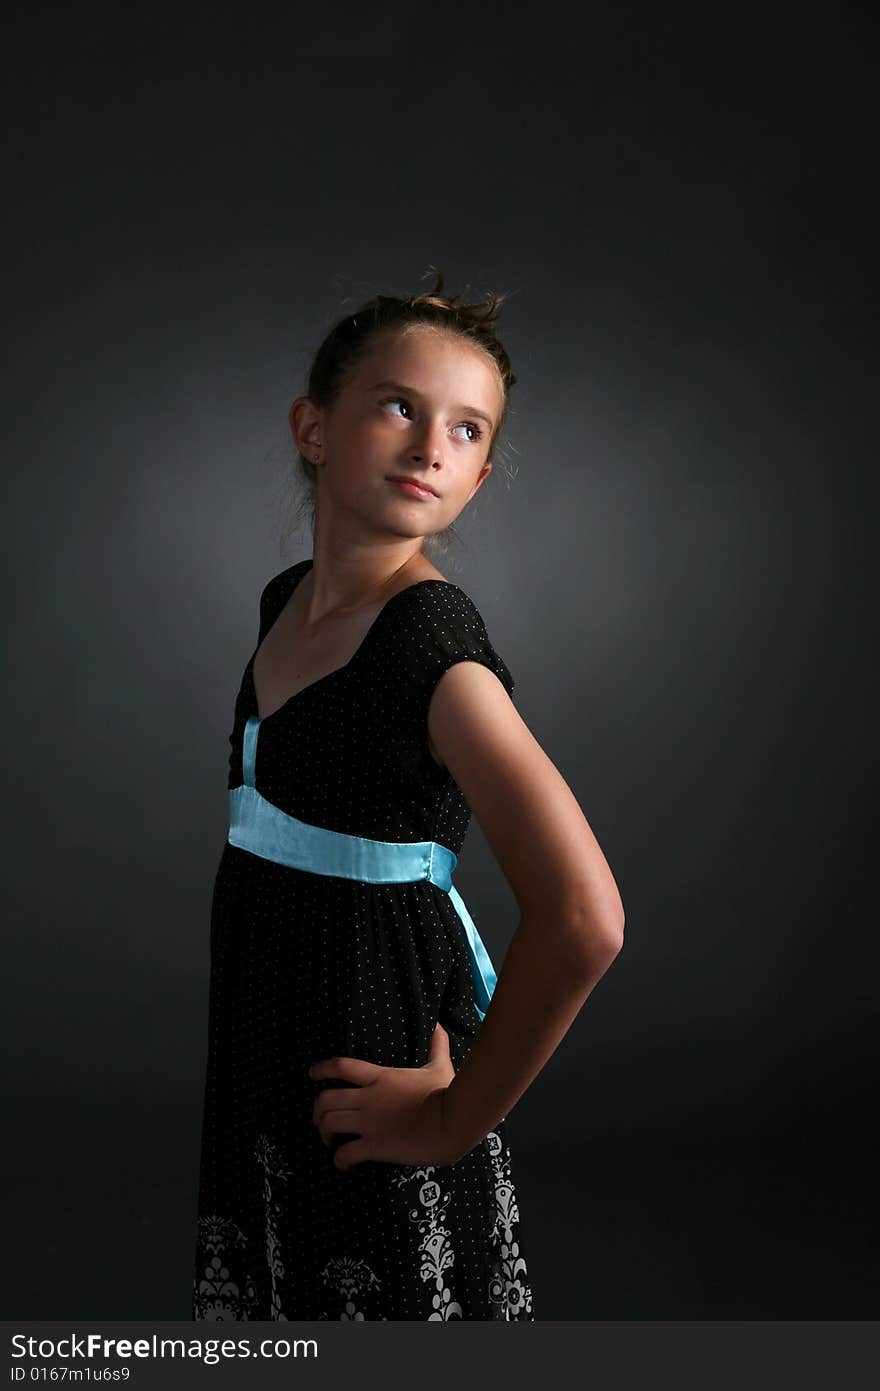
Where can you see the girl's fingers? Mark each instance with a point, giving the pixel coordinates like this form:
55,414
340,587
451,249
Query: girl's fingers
335,1099
350,1155
346,1122
350,1069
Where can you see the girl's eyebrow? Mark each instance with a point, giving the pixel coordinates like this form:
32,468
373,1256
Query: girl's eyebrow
410,391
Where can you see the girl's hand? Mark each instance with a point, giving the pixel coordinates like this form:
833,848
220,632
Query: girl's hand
398,1112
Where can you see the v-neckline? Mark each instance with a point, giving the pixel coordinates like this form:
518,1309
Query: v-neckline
337,671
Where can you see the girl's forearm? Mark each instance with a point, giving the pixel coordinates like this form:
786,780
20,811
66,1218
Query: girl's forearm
545,980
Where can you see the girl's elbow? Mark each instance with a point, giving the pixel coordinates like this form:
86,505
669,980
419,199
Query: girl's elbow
615,939
615,933
605,945
601,926
602,937
589,922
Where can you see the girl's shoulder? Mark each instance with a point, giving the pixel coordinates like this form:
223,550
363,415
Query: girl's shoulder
432,624
277,591
438,600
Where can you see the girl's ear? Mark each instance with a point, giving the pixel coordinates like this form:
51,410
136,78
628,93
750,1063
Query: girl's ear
483,475
305,420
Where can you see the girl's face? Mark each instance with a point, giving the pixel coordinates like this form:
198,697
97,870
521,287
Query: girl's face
422,405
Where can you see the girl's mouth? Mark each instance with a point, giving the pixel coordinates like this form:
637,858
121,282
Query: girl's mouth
412,488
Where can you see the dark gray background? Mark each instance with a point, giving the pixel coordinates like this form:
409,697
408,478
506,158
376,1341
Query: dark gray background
678,576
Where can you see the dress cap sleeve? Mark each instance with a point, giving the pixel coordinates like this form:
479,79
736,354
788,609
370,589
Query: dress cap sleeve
445,627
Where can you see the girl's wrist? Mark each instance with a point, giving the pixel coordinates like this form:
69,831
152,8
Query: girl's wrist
462,1132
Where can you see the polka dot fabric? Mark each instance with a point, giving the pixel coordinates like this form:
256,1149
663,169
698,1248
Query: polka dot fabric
306,966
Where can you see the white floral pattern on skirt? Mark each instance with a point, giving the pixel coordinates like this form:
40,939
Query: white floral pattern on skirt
219,1296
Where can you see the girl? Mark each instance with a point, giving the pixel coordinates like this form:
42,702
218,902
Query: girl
354,1156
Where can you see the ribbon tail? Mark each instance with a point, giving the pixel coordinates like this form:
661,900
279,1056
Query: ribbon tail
482,970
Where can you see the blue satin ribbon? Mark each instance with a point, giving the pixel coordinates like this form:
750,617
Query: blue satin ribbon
257,825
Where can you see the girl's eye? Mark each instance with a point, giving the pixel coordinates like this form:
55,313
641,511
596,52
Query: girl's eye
465,425
471,425
395,401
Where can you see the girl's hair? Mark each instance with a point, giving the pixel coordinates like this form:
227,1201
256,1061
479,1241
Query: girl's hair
352,337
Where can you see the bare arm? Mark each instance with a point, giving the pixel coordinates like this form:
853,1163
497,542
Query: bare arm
571,913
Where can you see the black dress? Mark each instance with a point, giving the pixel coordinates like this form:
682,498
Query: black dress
305,966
